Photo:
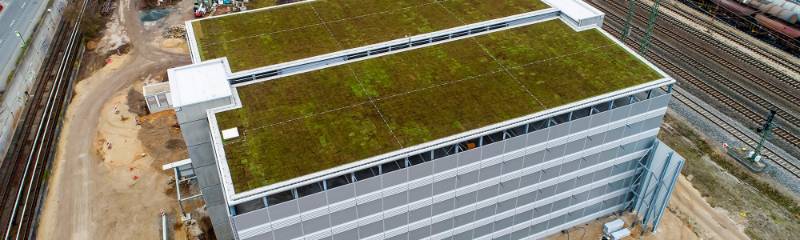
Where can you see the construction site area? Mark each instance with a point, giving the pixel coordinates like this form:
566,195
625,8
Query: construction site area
409,119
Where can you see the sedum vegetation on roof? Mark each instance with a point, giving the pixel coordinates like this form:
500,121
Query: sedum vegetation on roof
265,37
301,124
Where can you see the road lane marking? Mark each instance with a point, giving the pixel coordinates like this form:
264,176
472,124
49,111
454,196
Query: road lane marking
12,23
23,4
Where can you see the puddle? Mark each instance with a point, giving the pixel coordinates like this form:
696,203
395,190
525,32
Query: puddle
153,14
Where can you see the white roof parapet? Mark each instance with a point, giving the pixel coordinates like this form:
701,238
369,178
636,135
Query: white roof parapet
172,165
200,82
578,13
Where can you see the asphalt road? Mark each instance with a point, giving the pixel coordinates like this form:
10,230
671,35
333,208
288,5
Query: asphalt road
18,15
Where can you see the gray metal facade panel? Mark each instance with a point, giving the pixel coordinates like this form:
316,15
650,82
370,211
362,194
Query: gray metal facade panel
195,132
218,214
197,111
210,176
538,136
419,214
341,193
252,219
202,155
290,232
559,130
534,158
213,195
420,193
470,156
445,163
620,113
640,107
313,201
600,119
579,125
421,171
316,224
265,236
368,185
419,233
457,209
347,235
283,210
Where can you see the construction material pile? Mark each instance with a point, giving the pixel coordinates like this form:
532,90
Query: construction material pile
177,31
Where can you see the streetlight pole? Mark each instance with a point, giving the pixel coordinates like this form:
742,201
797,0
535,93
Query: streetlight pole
22,40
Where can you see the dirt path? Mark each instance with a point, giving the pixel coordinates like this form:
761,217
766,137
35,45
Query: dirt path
92,192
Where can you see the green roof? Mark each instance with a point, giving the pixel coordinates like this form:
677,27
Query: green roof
301,124
276,35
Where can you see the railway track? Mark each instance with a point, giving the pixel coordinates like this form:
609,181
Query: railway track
32,148
789,64
733,67
716,120
614,24
710,74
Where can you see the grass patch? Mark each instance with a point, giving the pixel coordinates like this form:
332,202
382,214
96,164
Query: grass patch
769,213
271,36
313,121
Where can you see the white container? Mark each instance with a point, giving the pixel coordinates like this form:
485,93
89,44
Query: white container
613,226
620,234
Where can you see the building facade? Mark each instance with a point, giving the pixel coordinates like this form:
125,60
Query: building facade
525,178
526,181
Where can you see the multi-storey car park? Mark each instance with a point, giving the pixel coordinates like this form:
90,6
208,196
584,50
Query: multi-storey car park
420,119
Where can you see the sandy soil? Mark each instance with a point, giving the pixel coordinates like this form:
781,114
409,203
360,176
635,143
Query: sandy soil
101,192
688,217
708,222
672,228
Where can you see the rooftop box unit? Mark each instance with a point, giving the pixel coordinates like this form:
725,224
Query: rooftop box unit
620,234
613,226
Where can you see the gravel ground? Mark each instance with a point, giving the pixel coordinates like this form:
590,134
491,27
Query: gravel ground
714,133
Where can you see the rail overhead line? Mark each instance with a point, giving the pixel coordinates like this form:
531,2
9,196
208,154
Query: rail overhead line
709,43
615,25
22,171
713,75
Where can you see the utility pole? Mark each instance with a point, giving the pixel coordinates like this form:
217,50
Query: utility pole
766,131
628,20
651,23
22,40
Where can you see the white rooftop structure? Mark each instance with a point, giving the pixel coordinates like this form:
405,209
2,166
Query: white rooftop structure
200,82
582,13
230,133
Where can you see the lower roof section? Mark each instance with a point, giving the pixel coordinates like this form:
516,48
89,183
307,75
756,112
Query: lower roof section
310,28
306,123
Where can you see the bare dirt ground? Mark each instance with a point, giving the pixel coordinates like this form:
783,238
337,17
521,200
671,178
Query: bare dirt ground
105,183
672,228
761,208
688,217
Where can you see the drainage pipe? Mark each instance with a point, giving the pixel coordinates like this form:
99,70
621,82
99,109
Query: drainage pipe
163,225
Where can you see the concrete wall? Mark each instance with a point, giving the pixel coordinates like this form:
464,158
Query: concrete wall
522,187
196,133
14,97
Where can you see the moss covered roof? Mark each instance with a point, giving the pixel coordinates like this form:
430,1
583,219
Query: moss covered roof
301,124
265,37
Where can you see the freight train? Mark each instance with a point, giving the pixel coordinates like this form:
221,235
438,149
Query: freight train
775,21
